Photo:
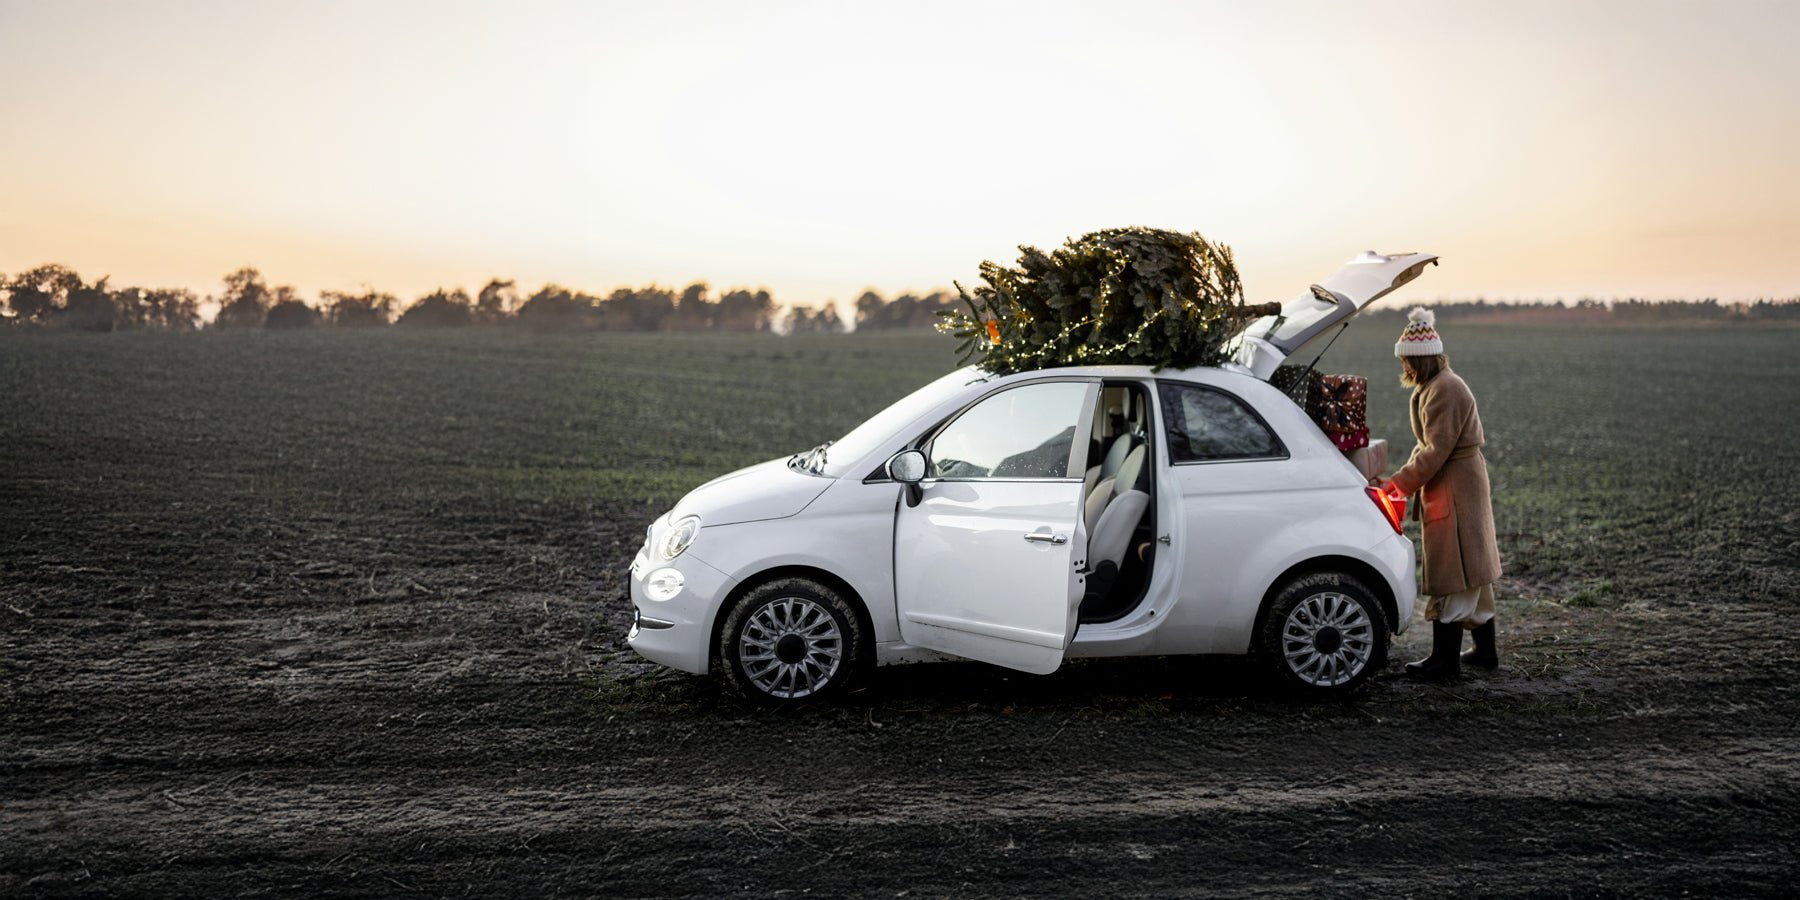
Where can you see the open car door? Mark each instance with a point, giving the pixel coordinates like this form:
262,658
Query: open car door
1267,342
988,564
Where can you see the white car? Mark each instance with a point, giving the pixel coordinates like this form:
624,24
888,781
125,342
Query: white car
1071,512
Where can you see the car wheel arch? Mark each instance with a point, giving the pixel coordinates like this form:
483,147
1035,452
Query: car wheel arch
826,578
1348,565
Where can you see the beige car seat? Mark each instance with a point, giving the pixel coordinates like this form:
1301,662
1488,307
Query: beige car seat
1109,535
1100,480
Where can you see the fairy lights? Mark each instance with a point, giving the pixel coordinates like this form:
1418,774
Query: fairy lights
1137,296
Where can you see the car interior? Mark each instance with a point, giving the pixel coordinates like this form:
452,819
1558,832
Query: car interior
1120,509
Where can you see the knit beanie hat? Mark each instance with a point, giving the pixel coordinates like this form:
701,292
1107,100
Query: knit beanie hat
1420,338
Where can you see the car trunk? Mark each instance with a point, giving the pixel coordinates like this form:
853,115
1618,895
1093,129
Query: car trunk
1311,319
1307,324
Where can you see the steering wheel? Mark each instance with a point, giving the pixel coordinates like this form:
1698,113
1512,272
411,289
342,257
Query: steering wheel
956,468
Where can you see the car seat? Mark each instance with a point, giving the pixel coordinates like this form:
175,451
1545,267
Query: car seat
1109,536
1102,480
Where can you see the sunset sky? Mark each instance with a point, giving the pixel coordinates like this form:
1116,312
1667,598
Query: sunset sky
1557,149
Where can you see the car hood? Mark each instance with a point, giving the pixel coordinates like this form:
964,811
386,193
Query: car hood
1265,343
768,490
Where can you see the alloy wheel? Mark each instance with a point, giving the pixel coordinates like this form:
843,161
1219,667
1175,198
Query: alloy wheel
1328,639
790,648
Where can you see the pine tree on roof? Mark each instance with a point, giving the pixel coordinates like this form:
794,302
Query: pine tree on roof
1122,296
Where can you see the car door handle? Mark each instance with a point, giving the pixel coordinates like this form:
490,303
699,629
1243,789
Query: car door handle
1045,537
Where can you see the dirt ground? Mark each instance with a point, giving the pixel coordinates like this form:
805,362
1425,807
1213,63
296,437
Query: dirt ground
235,679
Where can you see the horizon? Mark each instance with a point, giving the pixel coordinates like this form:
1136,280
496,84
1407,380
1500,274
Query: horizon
1608,150
209,303
209,306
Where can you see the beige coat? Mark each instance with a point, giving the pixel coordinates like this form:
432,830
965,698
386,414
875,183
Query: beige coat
1446,465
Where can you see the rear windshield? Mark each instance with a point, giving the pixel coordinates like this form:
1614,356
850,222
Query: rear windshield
1301,315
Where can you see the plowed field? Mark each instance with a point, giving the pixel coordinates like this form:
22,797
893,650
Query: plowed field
296,614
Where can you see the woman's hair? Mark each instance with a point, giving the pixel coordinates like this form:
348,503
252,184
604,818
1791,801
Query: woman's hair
1416,370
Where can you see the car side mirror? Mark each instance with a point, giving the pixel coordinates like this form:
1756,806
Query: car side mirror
908,468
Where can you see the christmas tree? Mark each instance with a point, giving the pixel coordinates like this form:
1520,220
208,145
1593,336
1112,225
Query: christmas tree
1123,296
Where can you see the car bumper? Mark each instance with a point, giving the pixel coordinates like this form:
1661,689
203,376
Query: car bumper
677,632
1395,557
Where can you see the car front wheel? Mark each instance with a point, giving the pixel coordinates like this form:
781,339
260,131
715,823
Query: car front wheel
791,640
1324,634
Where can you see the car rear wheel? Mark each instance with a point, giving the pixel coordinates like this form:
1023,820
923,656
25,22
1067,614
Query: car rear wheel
790,641
1324,634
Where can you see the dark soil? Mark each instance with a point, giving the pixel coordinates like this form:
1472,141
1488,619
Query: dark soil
312,645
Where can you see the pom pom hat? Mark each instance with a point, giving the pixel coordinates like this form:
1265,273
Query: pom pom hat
1420,338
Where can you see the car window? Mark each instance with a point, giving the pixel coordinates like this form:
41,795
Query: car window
1021,432
1208,424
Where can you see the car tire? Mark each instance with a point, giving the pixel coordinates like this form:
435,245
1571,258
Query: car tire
1324,634
791,641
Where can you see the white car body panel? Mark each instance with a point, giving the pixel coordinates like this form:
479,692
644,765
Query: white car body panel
977,588
847,533
954,577
675,632
767,490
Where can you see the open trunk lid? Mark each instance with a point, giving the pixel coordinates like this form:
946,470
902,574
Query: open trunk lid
1265,343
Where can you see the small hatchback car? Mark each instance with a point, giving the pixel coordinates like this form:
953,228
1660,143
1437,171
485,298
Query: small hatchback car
1069,512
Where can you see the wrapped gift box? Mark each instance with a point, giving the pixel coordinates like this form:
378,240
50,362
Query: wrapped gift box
1370,460
1340,404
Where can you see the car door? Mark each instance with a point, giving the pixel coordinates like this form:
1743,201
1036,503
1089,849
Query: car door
988,563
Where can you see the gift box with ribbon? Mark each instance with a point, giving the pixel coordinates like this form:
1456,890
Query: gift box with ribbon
1340,404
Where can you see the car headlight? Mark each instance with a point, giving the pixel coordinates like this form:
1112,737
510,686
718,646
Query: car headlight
680,535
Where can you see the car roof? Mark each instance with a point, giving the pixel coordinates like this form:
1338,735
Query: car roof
1228,371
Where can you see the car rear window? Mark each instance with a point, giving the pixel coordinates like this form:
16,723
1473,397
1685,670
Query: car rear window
1206,424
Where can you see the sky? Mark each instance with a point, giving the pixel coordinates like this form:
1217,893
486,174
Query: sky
1543,150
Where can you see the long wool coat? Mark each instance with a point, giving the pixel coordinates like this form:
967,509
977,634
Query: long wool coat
1447,466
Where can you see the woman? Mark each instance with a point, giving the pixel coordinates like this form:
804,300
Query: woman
1462,559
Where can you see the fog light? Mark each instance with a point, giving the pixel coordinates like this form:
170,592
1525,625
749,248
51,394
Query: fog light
663,584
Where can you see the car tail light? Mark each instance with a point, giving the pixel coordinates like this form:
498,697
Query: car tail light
1394,509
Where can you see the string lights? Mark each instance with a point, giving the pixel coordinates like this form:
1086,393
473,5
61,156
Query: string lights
1095,301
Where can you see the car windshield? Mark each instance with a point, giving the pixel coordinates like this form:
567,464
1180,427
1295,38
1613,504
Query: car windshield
844,452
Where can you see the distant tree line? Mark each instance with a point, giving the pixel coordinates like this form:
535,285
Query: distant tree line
1588,309
905,311
55,296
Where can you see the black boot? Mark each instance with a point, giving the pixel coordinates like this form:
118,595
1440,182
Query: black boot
1485,655
1443,664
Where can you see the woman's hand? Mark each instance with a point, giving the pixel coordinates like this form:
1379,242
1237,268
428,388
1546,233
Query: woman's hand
1387,487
